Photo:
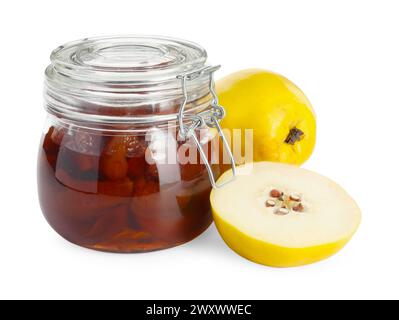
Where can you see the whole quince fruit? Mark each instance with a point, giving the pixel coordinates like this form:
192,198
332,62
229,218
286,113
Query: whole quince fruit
282,118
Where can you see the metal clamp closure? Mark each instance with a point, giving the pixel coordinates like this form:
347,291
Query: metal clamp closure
210,118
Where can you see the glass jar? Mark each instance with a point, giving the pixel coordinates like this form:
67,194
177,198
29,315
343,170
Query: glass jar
127,158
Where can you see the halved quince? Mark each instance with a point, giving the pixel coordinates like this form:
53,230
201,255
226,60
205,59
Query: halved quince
282,215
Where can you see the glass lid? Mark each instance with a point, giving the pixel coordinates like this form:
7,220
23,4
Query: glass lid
124,78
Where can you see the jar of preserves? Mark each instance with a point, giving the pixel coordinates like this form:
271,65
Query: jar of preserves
127,158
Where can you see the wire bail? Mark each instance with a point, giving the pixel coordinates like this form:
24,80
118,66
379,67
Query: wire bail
208,118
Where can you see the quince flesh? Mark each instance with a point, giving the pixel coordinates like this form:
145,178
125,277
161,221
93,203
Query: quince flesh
283,216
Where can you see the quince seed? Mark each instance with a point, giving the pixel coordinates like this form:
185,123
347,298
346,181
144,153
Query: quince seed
275,193
298,208
282,211
295,197
270,203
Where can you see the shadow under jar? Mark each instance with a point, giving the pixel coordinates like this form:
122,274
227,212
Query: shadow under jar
120,167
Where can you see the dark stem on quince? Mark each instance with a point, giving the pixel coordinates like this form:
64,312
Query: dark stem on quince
294,136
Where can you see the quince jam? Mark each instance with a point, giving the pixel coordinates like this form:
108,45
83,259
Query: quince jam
99,190
113,171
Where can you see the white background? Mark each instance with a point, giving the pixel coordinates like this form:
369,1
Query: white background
343,54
